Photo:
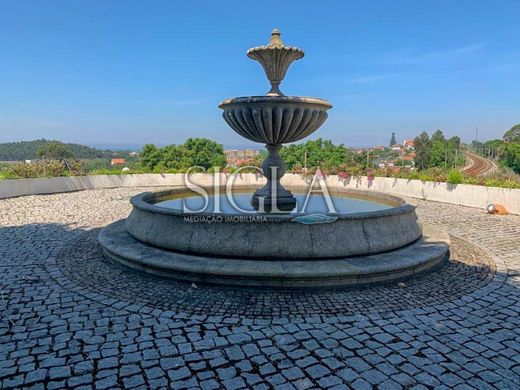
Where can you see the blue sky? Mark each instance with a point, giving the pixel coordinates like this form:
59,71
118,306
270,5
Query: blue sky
105,72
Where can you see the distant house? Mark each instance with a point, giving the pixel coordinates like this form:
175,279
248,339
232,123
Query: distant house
409,160
408,144
386,163
117,161
235,157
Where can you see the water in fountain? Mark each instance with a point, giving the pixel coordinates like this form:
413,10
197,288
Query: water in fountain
239,202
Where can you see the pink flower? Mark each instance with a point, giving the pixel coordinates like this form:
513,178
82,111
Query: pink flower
343,175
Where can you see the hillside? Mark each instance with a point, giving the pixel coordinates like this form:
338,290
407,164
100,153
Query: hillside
27,150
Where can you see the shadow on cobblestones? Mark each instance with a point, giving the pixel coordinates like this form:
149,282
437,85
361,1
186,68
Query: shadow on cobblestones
72,257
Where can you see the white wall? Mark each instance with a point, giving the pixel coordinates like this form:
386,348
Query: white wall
464,194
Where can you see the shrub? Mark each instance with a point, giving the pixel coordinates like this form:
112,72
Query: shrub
49,168
455,177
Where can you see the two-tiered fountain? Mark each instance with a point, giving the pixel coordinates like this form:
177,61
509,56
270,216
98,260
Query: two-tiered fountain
369,237
274,119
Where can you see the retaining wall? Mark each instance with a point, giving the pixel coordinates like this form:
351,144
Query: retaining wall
463,194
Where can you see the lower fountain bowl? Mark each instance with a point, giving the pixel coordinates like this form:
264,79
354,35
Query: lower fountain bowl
278,236
275,250
427,253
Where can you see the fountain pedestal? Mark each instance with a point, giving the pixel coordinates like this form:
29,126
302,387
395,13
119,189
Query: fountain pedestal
273,196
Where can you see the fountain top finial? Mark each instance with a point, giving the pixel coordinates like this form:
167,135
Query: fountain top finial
275,58
276,39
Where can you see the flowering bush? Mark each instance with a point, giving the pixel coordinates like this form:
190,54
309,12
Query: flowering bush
343,175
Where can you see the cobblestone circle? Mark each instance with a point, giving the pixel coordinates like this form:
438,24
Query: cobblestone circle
106,327
82,261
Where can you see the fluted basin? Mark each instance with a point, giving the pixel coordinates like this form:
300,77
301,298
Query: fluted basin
275,119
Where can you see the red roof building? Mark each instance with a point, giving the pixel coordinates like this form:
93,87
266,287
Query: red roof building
117,161
409,143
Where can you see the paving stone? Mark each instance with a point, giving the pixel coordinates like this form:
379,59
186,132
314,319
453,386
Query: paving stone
234,383
80,380
179,374
133,381
209,384
107,382
317,371
60,372
361,384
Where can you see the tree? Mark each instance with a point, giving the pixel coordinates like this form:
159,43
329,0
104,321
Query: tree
513,134
205,153
511,156
495,147
316,153
422,145
455,158
392,140
194,152
437,153
150,156
55,151
438,135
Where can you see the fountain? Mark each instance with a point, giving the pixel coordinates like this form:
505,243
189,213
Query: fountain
368,237
274,119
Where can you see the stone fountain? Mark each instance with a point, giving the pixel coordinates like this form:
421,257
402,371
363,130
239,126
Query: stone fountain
274,119
282,247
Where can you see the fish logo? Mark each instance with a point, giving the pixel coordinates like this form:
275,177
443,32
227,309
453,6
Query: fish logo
313,219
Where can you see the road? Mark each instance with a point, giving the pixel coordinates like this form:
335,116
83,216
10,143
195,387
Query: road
478,165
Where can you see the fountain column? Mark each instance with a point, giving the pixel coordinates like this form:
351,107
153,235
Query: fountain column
273,196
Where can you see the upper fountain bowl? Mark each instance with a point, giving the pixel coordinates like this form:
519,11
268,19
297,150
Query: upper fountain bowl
275,119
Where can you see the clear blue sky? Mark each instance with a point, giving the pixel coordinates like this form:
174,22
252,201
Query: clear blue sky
130,72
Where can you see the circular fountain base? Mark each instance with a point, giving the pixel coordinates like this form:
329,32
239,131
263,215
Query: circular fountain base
426,253
274,236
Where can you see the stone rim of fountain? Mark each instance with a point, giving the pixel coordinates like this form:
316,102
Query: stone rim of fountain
144,201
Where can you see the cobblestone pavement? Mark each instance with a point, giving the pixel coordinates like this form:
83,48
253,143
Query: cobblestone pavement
71,319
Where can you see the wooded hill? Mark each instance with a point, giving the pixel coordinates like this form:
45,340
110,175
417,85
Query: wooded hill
28,150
